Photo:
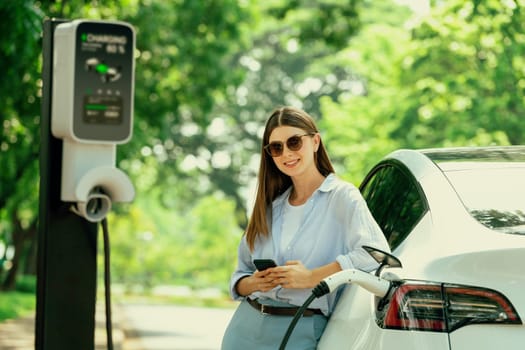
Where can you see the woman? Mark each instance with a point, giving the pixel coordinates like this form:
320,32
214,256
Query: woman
311,223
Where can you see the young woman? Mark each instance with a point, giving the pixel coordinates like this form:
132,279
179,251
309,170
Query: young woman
311,223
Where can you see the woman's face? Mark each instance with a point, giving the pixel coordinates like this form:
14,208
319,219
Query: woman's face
295,162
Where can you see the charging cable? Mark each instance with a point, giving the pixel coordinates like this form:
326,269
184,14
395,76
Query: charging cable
107,284
320,290
373,284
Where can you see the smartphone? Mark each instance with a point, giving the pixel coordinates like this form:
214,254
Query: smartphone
263,264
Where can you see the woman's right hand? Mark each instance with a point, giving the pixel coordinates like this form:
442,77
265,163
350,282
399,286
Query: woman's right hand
260,281
264,281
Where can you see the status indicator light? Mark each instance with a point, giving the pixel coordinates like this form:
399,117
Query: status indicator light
101,68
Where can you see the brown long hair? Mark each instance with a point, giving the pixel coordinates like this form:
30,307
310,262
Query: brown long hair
271,181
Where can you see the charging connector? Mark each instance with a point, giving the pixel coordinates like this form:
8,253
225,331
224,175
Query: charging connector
375,284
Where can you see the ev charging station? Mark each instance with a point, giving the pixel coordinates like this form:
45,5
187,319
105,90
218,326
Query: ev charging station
87,110
91,111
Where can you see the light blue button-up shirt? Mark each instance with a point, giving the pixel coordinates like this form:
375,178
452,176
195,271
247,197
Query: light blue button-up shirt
336,224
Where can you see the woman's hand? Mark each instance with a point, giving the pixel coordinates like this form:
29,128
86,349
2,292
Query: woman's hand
260,281
264,280
293,275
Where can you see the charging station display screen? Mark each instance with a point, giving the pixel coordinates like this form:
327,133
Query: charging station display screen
103,81
102,109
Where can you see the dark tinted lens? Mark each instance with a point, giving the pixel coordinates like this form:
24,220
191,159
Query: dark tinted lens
294,143
275,149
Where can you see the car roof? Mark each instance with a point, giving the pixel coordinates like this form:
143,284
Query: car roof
476,154
422,161
433,161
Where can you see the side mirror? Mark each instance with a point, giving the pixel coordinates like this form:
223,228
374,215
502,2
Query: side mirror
383,258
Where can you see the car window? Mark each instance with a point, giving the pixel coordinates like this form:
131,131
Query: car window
494,197
395,201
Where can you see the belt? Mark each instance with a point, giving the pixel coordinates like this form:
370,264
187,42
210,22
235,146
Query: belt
281,311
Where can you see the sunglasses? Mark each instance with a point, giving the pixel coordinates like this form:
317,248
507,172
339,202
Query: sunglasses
294,143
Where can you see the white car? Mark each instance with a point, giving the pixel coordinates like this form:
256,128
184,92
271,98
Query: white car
455,218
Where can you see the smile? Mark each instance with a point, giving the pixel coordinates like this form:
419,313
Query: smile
291,163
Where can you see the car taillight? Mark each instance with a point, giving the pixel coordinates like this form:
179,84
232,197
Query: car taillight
444,307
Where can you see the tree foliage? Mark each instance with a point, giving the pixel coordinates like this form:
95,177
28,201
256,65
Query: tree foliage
465,76
453,79
376,76
19,136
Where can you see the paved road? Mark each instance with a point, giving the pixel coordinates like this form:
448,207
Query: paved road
19,334
167,327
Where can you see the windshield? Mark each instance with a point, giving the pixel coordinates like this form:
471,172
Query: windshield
495,196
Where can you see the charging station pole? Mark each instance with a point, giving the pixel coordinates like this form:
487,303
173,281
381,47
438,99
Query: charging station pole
67,243
87,110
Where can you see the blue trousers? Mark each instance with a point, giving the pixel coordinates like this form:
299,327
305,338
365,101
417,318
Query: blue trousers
249,329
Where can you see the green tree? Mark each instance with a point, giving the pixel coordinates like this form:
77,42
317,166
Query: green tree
214,239
197,248
359,121
454,79
19,136
464,76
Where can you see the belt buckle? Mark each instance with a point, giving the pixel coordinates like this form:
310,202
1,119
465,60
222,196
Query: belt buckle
262,309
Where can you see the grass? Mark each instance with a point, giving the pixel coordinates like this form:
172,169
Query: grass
16,304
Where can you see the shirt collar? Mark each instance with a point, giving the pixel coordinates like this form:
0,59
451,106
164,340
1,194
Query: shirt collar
328,185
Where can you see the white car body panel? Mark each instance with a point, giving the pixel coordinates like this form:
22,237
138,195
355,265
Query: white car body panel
489,337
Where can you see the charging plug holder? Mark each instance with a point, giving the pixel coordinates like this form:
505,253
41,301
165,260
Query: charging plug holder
90,179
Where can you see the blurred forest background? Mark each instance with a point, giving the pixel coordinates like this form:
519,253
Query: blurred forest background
377,75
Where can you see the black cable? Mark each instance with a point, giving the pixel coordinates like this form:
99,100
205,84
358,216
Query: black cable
107,282
320,290
295,319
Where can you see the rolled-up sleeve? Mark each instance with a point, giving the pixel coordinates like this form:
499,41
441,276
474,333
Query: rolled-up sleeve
362,230
245,268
